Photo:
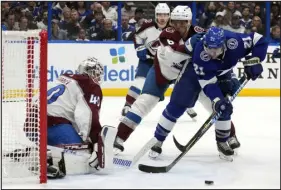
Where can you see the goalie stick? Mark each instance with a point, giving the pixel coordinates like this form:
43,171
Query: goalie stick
208,123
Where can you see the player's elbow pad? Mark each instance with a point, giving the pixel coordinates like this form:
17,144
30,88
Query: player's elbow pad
260,47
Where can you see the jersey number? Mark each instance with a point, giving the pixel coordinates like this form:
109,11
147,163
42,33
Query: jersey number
198,70
170,42
247,42
55,92
95,100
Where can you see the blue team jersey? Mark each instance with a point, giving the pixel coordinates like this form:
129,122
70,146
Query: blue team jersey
237,46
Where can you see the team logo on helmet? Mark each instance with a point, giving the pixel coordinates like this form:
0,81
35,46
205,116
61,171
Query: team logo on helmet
198,29
232,43
170,30
205,56
153,45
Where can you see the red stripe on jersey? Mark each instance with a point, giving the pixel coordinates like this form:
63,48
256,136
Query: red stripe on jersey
160,79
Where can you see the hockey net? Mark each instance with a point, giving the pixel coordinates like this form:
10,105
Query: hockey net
24,79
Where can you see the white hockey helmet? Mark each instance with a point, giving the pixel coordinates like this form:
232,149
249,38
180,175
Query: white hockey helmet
162,8
181,12
92,67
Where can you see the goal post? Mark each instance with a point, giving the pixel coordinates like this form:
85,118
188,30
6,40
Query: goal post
24,106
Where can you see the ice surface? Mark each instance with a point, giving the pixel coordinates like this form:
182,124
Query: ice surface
257,165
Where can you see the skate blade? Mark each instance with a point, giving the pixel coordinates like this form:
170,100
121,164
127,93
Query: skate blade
236,151
194,119
192,116
116,151
226,158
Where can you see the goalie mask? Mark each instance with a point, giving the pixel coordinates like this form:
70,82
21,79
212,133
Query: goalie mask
93,68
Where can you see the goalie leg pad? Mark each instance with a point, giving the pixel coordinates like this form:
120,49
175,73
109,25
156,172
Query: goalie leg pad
71,162
105,148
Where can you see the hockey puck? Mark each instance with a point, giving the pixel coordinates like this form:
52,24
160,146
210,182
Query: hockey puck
208,182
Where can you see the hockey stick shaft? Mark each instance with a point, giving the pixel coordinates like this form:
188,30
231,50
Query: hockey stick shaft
209,122
212,119
243,81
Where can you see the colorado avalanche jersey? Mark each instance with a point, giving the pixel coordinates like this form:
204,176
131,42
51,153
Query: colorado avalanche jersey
147,35
237,46
76,99
171,54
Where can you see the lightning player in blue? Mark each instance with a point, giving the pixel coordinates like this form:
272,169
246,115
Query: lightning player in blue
213,60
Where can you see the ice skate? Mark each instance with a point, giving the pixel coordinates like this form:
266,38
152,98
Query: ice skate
192,114
156,150
225,151
118,146
234,144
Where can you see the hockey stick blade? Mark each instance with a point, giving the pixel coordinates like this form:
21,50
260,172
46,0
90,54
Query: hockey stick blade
209,122
179,146
152,169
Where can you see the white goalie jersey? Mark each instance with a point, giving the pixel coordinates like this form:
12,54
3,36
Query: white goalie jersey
76,100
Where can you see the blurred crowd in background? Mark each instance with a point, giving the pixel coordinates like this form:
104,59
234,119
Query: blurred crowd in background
87,20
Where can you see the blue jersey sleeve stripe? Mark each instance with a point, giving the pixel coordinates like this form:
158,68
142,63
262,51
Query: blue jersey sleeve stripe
256,38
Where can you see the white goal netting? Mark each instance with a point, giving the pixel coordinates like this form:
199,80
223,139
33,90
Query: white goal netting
21,63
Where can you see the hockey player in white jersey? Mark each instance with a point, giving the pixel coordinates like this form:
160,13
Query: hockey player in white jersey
171,58
145,42
74,103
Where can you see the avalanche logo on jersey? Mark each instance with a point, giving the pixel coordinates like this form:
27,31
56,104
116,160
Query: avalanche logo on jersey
205,56
232,43
153,45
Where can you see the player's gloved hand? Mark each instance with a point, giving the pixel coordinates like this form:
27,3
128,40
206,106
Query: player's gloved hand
229,86
276,53
253,67
192,41
141,52
235,81
224,106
